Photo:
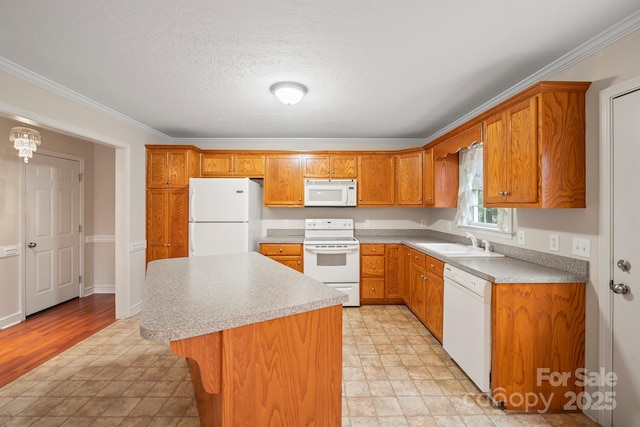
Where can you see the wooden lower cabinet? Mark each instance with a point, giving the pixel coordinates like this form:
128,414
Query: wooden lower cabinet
426,291
379,274
405,274
289,254
538,334
167,224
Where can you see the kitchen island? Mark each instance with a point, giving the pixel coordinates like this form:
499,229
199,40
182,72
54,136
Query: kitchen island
263,342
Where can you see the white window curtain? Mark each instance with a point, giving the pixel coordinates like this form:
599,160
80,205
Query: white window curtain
471,178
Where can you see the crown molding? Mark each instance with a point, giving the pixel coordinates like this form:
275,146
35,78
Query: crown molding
602,40
57,89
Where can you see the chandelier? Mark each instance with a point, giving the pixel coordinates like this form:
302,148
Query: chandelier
25,140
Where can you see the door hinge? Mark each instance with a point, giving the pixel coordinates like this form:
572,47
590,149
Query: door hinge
80,175
79,228
79,279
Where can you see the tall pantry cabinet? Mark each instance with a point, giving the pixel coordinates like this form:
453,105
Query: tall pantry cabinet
168,171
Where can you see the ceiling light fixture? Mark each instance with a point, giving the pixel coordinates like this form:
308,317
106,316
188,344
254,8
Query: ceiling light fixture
25,140
289,93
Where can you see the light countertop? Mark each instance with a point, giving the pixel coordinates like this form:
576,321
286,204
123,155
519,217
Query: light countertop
496,270
187,297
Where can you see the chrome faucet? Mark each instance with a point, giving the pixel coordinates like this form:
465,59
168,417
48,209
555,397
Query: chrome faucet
474,240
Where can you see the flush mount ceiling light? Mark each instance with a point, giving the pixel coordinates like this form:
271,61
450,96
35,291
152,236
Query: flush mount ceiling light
25,140
289,92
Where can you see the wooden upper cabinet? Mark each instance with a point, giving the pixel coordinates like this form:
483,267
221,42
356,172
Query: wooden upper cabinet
283,180
428,175
409,179
534,153
227,165
171,168
333,166
376,175
511,155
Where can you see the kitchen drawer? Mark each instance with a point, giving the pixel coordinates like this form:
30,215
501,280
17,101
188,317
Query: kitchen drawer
372,249
418,258
434,266
280,249
372,289
372,265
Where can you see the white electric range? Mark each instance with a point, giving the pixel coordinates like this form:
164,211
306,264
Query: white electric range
332,255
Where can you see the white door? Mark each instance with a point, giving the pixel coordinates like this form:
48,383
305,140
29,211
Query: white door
626,258
52,232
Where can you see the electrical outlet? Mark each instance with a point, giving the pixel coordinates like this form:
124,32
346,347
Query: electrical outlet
423,223
522,237
554,242
366,223
581,247
285,223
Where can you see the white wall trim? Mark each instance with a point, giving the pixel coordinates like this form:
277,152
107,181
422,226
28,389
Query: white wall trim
138,246
135,309
53,87
100,238
605,297
12,319
101,289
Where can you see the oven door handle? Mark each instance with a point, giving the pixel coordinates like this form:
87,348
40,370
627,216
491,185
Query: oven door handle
331,251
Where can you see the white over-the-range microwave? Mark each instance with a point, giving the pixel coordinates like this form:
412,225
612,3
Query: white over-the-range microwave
325,192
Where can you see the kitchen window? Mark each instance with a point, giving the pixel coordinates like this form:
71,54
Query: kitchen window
471,212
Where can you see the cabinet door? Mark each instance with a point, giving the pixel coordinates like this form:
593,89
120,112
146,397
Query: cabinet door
418,294
316,166
157,172
216,164
428,177
409,179
283,181
522,153
376,180
250,166
405,275
157,218
392,271
495,159
434,305
344,166
178,168
178,223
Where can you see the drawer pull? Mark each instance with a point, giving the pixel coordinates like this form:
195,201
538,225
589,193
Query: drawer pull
433,265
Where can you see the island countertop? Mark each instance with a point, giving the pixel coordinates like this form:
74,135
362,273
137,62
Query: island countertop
188,297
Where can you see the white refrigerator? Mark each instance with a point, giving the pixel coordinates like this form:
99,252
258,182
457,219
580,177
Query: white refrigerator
224,215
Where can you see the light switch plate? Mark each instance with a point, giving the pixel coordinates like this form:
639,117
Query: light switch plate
366,223
581,247
522,237
554,242
285,223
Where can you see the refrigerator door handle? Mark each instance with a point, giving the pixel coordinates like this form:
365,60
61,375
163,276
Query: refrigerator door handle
192,195
192,236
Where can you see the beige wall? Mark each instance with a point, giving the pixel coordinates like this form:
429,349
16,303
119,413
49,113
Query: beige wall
27,102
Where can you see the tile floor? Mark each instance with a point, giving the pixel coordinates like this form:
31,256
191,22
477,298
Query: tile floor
395,374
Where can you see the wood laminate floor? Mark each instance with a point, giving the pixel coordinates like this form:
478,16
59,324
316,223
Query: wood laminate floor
48,333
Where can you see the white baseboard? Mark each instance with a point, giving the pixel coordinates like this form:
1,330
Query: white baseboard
99,289
11,320
135,309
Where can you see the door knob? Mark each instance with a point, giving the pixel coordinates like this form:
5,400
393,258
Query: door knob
32,245
624,265
619,288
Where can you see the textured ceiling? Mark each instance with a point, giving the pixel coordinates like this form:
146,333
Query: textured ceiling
386,69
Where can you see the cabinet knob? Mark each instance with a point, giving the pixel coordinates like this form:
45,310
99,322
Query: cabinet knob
280,250
420,198
415,257
298,262
432,265
360,199
230,170
507,193
167,182
373,249
430,198
373,267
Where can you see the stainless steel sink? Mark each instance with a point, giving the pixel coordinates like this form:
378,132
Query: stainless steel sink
456,250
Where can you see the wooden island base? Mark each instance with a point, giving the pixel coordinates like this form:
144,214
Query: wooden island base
281,372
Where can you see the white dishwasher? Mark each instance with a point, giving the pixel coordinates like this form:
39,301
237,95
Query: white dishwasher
467,324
